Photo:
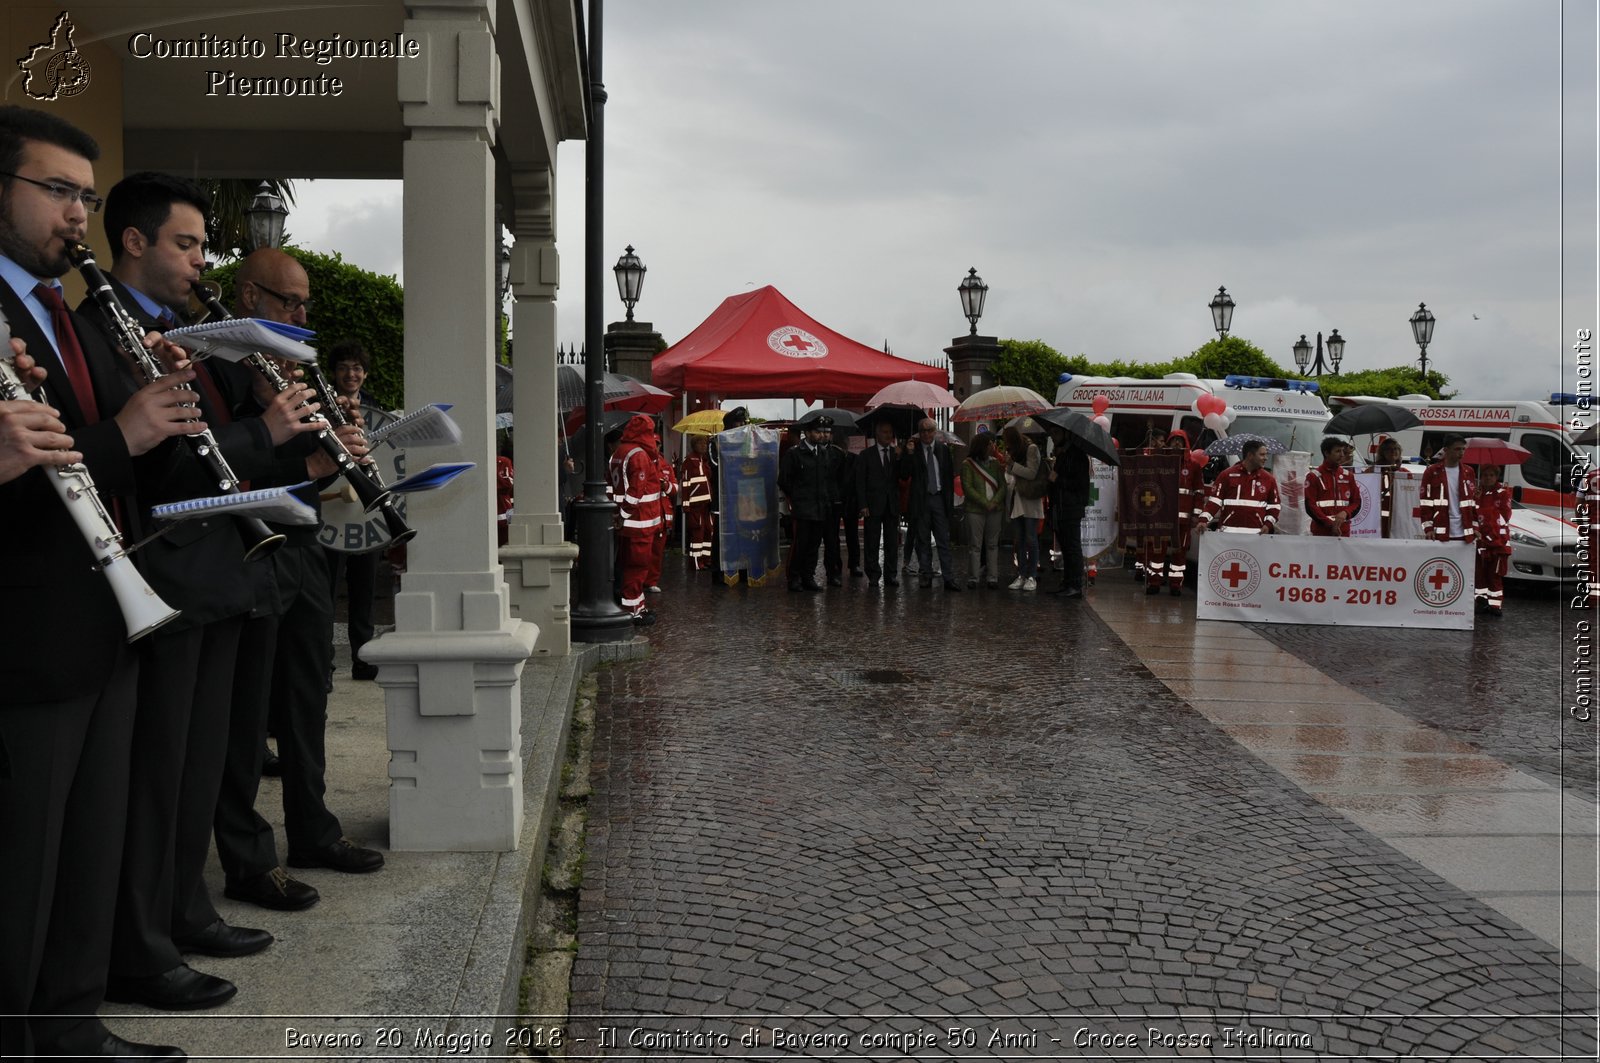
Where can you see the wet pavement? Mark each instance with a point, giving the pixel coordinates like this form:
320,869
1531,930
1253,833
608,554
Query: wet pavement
902,823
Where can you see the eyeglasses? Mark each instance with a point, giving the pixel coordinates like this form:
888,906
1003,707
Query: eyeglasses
290,303
64,193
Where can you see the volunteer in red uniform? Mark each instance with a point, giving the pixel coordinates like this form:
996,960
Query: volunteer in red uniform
1450,496
669,500
1245,497
696,479
1390,457
1331,494
1494,539
1191,504
636,486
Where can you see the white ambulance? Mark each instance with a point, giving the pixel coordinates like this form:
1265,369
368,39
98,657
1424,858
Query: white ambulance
1543,482
1286,410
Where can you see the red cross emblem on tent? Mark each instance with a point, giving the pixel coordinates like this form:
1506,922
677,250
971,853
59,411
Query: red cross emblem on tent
1438,582
1234,574
793,342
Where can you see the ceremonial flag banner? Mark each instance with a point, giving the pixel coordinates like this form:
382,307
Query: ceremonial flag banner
748,526
1100,517
1368,520
1279,579
1290,469
1147,497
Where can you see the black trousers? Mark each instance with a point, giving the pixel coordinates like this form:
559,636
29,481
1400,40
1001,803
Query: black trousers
63,794
245,845
884,531
803,557
1069,533
360,573
838,514
300,667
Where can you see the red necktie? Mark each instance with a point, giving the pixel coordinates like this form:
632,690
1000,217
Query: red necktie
72,358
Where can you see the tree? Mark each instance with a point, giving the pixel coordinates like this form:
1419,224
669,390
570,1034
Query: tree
348,302
1388,383
227,233
1222,358
1030,364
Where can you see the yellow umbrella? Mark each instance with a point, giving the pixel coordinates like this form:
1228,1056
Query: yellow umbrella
701,422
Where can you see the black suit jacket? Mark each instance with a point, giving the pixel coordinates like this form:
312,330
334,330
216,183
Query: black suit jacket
917,504
197,565
877,487
49,587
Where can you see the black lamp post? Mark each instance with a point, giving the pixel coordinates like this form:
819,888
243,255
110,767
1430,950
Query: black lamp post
973,291
1222,312
630,279
1422,331
1302,354
596,617
264,218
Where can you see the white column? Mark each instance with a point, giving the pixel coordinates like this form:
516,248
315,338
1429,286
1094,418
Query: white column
537,558
450,670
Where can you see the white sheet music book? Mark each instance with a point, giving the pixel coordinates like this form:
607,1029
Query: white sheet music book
430,426
270,503
235,338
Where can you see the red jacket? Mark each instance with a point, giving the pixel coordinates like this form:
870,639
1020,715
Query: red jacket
696,480
1240,499
1494,520
1331,491
636,479
1434,510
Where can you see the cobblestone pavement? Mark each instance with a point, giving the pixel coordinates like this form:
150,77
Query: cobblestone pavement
911,824
1505,688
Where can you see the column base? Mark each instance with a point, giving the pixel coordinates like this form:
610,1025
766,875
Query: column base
537,563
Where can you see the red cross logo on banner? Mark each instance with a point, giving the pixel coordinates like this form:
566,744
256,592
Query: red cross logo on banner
1439,582
793,342
1234,575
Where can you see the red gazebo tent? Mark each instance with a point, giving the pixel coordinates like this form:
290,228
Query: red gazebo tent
759,345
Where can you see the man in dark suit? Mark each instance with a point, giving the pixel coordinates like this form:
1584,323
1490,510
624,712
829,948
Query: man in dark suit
810,477
932,505
66,705
156,226
842,516
877,473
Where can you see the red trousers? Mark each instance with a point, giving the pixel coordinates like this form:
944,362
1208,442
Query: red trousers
1169,565
634,552
1491,577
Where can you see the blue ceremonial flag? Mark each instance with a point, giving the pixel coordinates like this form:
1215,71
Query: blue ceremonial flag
747,472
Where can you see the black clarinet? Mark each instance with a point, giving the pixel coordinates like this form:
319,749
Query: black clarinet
260,540
363,479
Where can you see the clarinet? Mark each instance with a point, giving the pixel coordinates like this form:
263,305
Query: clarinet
363,479
260,540
142,608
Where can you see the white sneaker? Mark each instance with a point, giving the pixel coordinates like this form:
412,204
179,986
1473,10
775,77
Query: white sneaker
653,589
1015,585
1030,584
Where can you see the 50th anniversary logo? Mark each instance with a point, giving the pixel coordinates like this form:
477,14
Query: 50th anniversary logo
55,68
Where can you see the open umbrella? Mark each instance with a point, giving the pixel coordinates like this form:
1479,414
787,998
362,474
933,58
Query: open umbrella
1084,433
918,393
1027,425
1002,401
578,441
1371,419
1235,444
843,420
1482,450
572,390
904,418
701,423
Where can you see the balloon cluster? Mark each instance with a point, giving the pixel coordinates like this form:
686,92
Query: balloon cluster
1101,405
1214,412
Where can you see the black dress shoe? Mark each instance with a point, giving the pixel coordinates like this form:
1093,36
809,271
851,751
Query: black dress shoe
273,889
855,572
270,764
835,581
811,585
925,582
951,585
96,1042
1177,592
363,671
1152,588
1072,592
342,855
220,939
181,989
891,582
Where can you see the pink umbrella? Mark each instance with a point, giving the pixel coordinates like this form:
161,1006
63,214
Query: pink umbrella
1482,450
918,393
1001,402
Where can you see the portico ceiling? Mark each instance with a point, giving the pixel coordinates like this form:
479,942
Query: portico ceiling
182,113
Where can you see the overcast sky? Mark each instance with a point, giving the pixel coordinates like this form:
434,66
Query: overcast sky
1105,164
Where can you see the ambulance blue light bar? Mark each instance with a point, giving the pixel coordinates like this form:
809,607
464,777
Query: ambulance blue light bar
1236,381
1064,378
1565,398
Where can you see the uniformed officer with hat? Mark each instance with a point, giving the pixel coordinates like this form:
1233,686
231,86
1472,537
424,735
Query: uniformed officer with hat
810,477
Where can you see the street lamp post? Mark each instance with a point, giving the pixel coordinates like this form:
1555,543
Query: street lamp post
1302,354
973,292
1222,312
1422,332
629,271
264,218
596,617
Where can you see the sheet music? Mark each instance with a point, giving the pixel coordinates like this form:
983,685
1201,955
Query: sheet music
270,503
238,337
430,426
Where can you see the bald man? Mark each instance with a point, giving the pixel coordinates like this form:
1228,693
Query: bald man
286,650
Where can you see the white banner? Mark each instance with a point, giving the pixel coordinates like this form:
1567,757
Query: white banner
1100,518
1368,520
1275,579
1290,471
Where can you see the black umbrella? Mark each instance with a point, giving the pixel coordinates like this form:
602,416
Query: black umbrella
903,417
1371,419
572,389
578,442
844,422
1083,432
